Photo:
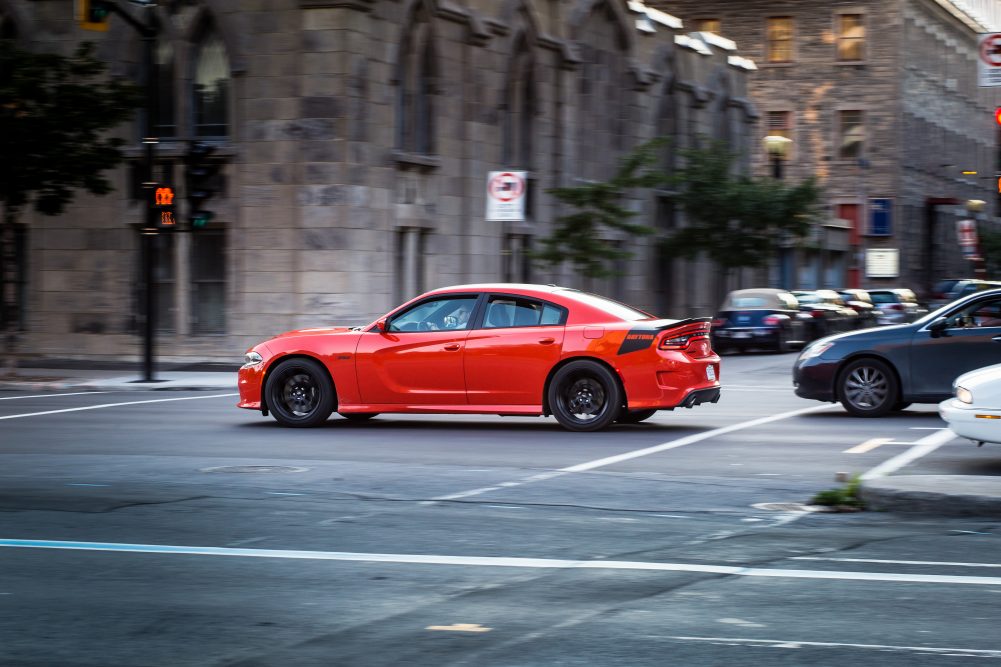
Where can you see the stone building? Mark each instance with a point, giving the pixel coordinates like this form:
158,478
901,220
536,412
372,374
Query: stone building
357,136
880,100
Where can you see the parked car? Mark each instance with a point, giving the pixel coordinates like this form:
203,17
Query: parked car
975,410
768,318
828,312
896,305
860,301
887,368
948,290
496,348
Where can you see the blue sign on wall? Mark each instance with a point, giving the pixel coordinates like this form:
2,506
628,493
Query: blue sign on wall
880,217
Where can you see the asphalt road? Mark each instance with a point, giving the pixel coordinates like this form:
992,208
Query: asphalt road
170,528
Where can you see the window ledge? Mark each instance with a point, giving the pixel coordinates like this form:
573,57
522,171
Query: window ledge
850,63
784,63
402,157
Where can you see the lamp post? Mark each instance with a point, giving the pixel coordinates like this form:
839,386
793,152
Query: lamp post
974,208
777,148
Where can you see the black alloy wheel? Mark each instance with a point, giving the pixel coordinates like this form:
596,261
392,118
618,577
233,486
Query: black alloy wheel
868,388
635,416
299,393
585,396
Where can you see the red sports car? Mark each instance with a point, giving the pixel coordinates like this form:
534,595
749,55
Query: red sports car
499,348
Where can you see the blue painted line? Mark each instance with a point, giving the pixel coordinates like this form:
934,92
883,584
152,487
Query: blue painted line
80,484
280,493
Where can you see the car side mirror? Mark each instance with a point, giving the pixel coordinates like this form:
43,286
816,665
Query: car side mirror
938,327
381,326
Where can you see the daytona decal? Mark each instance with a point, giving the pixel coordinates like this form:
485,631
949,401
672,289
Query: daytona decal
637,339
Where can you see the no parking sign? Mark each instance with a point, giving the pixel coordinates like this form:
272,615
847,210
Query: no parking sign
989,60
506,196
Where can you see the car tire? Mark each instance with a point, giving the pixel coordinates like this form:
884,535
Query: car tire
901,405
781,341
868,388
584,396
299,393
635,416
358,416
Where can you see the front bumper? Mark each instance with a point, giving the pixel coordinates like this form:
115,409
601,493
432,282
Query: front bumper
968,421
814,378
250,382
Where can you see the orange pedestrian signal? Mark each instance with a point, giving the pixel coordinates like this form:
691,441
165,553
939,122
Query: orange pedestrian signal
166,219
997,115
164,196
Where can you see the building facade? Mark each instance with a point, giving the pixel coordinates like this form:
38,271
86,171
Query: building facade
355,138
879,100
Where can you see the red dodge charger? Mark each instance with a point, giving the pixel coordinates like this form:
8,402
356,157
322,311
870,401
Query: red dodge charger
498,348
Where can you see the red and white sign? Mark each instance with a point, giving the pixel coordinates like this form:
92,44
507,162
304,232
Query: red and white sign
989,60
506,196
966,232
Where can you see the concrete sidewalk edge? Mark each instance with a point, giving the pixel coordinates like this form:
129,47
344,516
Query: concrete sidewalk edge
945,495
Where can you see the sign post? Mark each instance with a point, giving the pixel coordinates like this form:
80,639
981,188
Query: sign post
989,60
506,196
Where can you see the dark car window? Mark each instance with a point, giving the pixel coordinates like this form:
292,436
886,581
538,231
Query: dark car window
507,311
435,315
978,314
883,297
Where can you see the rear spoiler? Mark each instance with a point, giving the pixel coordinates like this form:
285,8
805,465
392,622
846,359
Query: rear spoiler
662,325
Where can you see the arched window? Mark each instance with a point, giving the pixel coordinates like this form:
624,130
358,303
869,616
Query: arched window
520,106
210,94
166,121
416,88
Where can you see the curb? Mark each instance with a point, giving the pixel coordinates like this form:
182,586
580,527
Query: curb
967,495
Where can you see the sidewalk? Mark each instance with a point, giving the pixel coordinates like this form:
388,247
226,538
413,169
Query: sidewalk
934,495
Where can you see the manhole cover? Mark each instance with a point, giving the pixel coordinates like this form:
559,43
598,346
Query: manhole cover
785,507
255,469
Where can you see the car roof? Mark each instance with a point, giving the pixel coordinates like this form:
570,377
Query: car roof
499,287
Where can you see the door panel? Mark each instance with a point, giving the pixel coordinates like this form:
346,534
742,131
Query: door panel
412,368
509,366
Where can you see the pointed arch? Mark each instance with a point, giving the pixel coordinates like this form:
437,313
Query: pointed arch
416,79
210,75
519,105
15,23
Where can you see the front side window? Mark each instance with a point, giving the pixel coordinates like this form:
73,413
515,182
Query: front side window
779,39
978,314
211,88
850,37
508,311
449,313
851,135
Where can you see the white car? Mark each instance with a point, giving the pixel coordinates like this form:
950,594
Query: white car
975,410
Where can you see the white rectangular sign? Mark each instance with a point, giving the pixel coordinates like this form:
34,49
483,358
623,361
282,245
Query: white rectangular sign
989,60
506,192
882,263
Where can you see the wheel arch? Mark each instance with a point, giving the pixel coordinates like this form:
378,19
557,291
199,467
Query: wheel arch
866,355
285,357
563,362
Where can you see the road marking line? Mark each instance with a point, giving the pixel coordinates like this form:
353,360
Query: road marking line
897,562
495,561
75,393
922,447
460,627
868,445
778,643
114,405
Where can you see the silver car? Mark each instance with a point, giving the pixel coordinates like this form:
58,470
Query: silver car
896,305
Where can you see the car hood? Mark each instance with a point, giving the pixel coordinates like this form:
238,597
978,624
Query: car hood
314,331
988,377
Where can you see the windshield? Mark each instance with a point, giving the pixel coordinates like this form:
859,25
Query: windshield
613,308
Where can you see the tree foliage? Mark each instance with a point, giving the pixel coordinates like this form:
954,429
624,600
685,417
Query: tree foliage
54,112
578,237
990,248
737,220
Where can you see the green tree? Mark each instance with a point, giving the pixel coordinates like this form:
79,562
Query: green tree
577,236
54,113
738,221
990,248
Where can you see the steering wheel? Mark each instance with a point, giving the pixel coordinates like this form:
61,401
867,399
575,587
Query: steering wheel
427,326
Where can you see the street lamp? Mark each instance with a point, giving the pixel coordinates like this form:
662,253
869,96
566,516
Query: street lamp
777,148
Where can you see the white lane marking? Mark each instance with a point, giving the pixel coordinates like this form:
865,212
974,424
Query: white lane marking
75,393
897,562
793,643
600,463
691,439
114,405
868,445
495,561
922,447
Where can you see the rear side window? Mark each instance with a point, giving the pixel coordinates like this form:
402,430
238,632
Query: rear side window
506,311
883,297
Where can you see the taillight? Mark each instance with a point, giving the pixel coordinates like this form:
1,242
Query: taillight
719,321
896,306
771,320
682,337
816,313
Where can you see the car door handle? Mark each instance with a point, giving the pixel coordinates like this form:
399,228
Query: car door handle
547,341
452,347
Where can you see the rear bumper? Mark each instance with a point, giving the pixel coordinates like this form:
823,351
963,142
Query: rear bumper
744,337
700,396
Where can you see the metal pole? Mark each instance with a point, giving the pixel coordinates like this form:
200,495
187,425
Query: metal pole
149,187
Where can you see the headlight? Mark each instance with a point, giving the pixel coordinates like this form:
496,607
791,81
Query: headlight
252,359
964,395
815,350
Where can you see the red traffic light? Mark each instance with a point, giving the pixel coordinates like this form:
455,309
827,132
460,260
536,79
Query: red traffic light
997,115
